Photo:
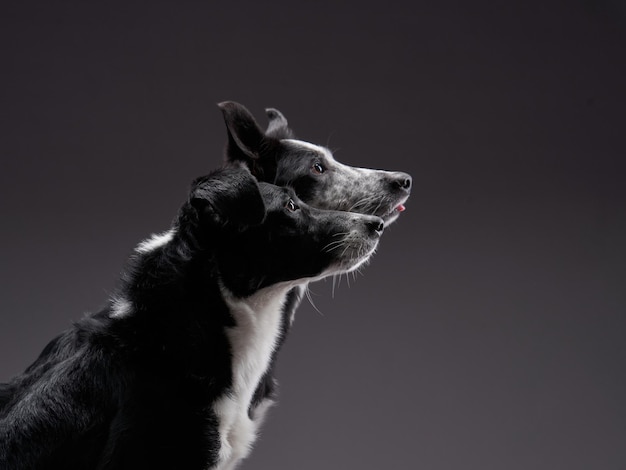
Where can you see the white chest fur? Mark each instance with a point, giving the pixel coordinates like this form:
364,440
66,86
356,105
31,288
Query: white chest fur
252,340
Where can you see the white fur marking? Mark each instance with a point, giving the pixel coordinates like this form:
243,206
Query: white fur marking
309,146
120,308
300,290
155,241
252,340
258,414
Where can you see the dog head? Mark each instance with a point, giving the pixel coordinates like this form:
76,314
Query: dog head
275,156
259,234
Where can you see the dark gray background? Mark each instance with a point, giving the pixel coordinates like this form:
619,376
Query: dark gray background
488,331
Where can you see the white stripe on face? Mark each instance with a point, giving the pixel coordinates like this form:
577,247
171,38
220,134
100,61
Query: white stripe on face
308,146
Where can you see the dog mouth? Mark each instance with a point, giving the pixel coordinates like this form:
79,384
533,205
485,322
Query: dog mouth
387,208
393,213
399,208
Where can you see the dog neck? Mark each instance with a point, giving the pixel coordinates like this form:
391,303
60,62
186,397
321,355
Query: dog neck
254,337
253,340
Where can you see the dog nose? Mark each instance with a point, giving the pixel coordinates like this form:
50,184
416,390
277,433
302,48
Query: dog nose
375,225
402,181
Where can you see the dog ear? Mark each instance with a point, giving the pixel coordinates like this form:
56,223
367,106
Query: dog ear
278,126
228,197
245,136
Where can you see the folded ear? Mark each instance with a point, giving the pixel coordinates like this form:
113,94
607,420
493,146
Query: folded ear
278,126
229,196
245,136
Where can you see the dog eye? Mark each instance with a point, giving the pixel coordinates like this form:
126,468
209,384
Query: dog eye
318,168
291,206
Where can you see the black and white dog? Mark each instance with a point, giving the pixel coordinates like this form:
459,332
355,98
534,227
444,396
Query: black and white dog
275,156
164,376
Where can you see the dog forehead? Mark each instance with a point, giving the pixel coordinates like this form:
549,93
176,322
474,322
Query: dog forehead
308,147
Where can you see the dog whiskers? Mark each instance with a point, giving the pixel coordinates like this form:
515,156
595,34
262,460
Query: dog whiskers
362,203
333,246
307,292
337,243
377,207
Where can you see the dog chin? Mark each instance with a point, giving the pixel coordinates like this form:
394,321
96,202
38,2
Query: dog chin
352,260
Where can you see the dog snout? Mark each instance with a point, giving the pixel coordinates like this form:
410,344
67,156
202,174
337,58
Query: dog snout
374,226
401,181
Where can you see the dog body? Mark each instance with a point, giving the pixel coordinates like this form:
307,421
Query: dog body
165,376
276,156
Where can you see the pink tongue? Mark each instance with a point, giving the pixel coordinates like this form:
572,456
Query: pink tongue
400,208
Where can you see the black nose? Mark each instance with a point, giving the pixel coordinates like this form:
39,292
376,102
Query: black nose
375,225
402,181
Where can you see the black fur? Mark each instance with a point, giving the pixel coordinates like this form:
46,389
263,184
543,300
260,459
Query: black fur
273,159
133,387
